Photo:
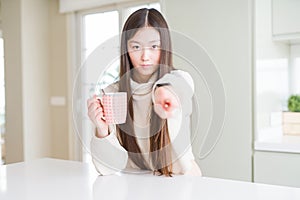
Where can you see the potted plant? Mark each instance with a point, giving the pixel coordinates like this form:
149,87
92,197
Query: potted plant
291,119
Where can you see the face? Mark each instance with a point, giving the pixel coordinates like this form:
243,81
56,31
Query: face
144,52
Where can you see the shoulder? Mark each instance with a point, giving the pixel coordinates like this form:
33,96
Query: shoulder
181,82
114,87
183,75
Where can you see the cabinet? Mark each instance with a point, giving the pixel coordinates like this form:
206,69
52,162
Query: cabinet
285,20
277,168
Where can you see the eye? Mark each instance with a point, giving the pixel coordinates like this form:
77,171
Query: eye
155,46
135,47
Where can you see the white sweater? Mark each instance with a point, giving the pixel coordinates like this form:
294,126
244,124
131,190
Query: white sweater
110,157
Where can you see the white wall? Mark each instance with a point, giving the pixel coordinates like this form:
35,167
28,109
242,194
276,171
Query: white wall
224,29
11,24
26,36
35,66
58,79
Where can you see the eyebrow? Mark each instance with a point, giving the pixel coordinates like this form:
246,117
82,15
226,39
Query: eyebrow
134,41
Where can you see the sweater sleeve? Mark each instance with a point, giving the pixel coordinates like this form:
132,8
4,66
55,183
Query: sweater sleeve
179,126
183,86
108,155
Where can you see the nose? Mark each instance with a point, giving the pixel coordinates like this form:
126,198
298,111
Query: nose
145,54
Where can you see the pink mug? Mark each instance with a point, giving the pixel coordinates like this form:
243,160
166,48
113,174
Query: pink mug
115,107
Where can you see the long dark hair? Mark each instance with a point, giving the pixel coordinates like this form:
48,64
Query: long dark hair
159,139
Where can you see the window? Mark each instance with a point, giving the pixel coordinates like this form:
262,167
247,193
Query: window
95,27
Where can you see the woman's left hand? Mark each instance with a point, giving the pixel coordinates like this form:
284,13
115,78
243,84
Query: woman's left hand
165,102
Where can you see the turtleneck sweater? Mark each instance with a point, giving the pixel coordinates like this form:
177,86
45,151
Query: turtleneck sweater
107,153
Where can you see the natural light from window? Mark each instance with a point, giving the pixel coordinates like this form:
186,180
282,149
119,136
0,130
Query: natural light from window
98,28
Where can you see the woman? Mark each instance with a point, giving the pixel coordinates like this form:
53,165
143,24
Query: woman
156,133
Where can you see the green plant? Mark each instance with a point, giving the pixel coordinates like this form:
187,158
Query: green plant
294,103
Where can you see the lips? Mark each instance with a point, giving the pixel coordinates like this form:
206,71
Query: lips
146,65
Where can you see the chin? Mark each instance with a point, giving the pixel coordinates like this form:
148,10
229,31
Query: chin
146,71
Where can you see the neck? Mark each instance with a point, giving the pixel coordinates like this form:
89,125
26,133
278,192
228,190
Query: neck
140,78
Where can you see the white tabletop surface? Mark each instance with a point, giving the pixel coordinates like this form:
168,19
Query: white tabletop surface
59,179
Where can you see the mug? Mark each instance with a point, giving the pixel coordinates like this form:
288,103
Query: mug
115,107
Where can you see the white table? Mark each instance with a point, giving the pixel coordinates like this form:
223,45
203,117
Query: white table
60,179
